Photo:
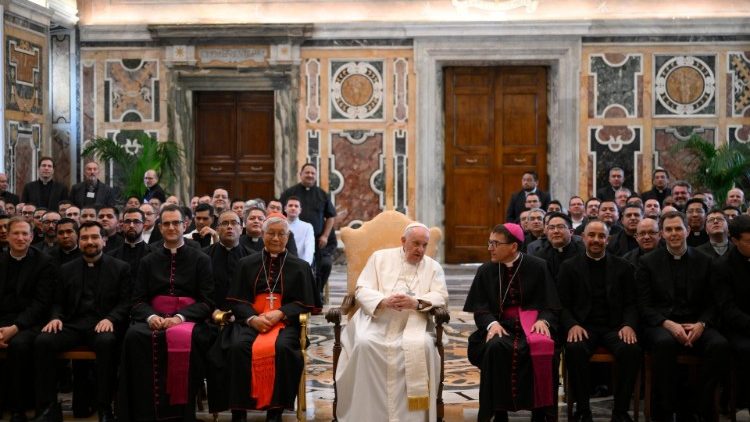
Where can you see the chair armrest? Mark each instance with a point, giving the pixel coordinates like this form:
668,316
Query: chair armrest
333,316
348,303
222,318
441,314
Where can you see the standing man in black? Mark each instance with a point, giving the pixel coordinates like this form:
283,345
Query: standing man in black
616,180
730,275
660,189
599,309
90,309
26,292
45,192
92,191
153,189
676,303
318,210
516,205
5,195
109,218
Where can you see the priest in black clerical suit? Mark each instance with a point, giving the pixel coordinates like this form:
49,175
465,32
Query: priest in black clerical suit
730,275
676,304
514,312
164,345
90,309
26,292
133,248
267,295
599,309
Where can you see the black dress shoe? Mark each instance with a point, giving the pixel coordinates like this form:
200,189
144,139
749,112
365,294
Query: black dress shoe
53,413
18,417
239,416
274,415
621,417
583,416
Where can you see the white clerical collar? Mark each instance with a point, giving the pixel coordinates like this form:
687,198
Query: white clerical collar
174,250
228,248
19,258
510,264
596,259
68,252
723,244
676,254
133,245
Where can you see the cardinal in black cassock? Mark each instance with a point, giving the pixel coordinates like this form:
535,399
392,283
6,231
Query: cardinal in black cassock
267,296
515,307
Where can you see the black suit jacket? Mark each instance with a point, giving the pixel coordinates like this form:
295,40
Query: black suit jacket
518,203
9,197
574,287
655,287
32,194
112,296
709,250
103,196
655,194
35,288
730,276
155,191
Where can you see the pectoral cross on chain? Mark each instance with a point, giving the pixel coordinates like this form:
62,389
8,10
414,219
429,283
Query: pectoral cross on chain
272,299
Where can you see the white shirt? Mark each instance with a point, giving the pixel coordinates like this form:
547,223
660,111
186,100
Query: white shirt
304,238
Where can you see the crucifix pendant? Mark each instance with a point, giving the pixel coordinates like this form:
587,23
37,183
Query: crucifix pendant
272,299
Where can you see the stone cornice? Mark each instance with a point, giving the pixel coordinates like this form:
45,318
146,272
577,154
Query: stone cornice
251,33
30,11
64,15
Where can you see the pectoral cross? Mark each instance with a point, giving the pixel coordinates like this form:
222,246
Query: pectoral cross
272,299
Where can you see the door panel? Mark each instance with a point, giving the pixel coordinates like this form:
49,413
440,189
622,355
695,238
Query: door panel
495,129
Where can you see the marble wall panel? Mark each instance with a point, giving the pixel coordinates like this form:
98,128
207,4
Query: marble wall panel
679,164
739,133
684,85
615,146
61,154
356,90
88,100
312,76
24,149
24,81
616,79
60,76
131,90
738,84
358,160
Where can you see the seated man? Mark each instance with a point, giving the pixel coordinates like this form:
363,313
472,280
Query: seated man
388,346
268,293
513,345
90,309
599,309
164,345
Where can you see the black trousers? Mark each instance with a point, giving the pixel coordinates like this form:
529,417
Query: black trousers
627,362
20,367
49,345
322,264
740,344
711,346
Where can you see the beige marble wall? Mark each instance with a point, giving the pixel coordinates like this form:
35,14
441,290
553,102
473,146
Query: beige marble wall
637,100
356,122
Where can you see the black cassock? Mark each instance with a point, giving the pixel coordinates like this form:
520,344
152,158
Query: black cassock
296,287
142,393
506,379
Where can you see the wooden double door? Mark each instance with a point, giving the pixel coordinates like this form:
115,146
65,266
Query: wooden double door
234,143
495,130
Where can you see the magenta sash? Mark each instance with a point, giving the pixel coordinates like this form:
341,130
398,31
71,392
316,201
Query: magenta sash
179,340
542,350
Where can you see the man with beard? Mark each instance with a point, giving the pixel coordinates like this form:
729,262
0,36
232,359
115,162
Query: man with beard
647,235
167,338
651,208
599,309
45,192
513,346
267,295
517,203
90,309
133,248
681,192
660,189
675,299
560,244
696,210
252,238
26,292
92,191
66,249
624,241
49,229
718,235
109,217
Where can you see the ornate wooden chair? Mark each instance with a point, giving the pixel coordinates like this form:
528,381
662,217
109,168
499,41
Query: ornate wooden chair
383,231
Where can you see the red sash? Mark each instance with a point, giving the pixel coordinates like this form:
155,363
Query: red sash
263,369
542,350
179,341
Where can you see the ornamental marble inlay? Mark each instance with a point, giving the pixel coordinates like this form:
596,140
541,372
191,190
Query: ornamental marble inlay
684,85
356,90
400,90
23,83
739,82
616,80
611,146
131,90
312,76
677,163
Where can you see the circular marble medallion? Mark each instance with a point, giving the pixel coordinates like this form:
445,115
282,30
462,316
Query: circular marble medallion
685,85
357,90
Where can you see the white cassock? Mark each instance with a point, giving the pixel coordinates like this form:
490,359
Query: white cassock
383,349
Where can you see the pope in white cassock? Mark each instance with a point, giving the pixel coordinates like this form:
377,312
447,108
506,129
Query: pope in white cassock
389,367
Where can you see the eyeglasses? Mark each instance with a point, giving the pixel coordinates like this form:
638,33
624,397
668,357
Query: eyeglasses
175,223
494,243
228,223
560,227
712,220
134,222
27,212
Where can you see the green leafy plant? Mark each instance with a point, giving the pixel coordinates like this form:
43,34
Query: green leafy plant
718,169
163,156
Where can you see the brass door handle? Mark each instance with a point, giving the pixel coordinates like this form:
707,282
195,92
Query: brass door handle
472,160
498,200
256,168
216,168
519,160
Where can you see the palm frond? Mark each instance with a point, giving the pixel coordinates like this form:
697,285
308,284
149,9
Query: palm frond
105,150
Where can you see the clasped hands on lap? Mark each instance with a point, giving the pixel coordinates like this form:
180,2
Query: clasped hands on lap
266,320
685,334
399,302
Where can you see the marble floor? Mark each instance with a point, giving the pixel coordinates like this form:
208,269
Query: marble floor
461,378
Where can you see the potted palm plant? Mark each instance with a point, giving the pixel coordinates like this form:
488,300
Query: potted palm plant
163,156
718,169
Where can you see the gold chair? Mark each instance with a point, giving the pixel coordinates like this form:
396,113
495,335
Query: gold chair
383,231
222,318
